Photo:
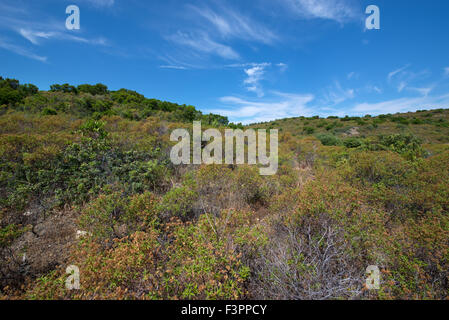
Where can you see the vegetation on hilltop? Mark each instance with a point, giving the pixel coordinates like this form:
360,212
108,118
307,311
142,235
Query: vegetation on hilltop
85,180
95,101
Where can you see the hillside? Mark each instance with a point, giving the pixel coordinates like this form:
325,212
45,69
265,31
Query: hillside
431,126
86,180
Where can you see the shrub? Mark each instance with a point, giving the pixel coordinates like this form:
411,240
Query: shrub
49,112
308,260
178,202
406,145
379,167
331,126
308,130
103,215
352,143
329,140
98,89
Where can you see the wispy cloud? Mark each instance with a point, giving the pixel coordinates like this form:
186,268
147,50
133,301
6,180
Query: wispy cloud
402,86
395,72
214,29
101,3
39,27
200,41
21,51
353,75
371,88
401,78
35,36
255,73
282,66
402,105
337,10
422,91
446,71
336,94
172,67
254,76
230,23
280,105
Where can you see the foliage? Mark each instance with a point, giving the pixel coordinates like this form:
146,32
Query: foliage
87,170
328,139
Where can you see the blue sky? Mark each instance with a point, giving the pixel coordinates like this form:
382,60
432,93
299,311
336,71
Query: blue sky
252,60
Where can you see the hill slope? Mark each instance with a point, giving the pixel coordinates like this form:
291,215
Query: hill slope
86,180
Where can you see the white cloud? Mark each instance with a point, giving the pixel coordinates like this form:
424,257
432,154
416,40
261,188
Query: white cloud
255,73
201,42
231,24
173,62
172,67
401,78
254,76
402,105
95,41
280,105
401,86
421,91
21,51
395,72
282,66
338,10
336,94
101,3
35,36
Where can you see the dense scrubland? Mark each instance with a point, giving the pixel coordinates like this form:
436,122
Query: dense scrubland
86,180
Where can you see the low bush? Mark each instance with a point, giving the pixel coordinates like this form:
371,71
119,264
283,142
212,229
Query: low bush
329,140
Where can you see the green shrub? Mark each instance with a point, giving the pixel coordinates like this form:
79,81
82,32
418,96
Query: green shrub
49,112
329,140
178,202
103,215
406,145
383,167
308,130
352,143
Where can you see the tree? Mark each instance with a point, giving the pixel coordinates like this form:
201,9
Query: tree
98,89
65,88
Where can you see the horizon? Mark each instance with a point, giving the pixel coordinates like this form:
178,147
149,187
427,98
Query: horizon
253,63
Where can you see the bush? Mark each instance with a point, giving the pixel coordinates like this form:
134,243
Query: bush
308,130
379,167
103,215
65,88
178,202
352,143
98,89
406,145
308,260
113,215
84,166
329,140
49,112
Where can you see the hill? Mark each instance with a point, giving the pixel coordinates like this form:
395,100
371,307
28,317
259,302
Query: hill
431,126
86,181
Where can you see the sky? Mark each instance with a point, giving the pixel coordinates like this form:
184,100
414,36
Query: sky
251,60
